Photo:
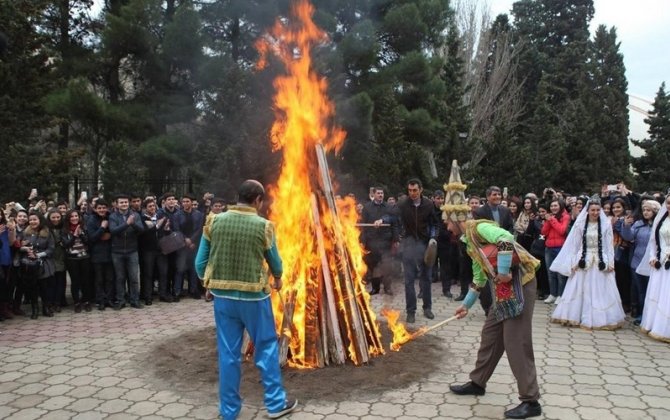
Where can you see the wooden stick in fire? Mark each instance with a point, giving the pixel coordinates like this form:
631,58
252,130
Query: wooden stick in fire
372,225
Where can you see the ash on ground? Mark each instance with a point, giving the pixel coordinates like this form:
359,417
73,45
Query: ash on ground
187,363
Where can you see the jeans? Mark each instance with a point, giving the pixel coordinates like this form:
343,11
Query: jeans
413,267
232,317
81,282
556,281
640,284
104,282
127,268
189,270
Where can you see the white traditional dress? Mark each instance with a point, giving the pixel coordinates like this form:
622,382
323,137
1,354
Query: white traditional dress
590,299
656,315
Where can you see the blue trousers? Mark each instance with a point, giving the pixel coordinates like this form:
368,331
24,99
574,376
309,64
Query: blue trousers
556,281
232,317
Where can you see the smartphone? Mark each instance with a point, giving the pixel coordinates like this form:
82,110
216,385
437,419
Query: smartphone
612,187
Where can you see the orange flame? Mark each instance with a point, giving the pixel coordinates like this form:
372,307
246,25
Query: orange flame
400,333
304,117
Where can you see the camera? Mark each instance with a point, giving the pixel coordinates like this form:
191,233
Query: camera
612,188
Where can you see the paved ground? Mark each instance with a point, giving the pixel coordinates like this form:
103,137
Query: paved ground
79,366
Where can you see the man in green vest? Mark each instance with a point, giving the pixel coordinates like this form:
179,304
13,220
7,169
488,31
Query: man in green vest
232,258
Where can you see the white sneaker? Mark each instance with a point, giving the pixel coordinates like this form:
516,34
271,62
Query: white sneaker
557,301
550,299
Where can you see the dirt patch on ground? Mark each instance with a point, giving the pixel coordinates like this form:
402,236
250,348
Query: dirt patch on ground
187,363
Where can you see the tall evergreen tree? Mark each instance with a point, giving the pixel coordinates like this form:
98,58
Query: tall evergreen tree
25,77
654,166
607,98
555,33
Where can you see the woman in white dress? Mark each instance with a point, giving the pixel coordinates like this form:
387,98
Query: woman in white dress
591,299
656,315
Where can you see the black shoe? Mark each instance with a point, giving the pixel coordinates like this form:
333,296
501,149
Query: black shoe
420,295
118,306
195,296
290,406
77,307
165,298
524,410
448,295
176,298
374,292
428,314
459,298
136,305
101,306
87,307
388,292
148,302
410,318
469,388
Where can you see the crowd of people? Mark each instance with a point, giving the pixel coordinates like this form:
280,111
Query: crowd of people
602,256
114,253
134,249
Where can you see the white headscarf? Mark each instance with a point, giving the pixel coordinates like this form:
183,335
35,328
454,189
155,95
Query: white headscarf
644,269
571,252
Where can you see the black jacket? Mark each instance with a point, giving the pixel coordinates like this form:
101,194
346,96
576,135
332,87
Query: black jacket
419,222
386,234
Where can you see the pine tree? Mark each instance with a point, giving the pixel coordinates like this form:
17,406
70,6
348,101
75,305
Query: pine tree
25,77
555,38
653,168
607,108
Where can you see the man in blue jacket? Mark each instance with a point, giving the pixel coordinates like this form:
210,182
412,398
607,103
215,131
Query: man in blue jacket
125,225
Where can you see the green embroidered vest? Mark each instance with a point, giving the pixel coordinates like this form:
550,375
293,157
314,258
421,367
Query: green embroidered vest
238,240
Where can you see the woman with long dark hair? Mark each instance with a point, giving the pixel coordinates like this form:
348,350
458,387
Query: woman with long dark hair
54,221
590,299
37,266
78,261
656,264
524,223
555,231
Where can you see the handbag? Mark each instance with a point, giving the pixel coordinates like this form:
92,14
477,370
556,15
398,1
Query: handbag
537,247
171,242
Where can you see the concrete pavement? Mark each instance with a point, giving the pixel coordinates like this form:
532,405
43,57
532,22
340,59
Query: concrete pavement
78,366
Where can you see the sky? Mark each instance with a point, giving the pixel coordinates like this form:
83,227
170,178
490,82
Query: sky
643,28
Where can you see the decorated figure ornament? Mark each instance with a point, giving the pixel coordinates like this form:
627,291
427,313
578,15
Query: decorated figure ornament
455,206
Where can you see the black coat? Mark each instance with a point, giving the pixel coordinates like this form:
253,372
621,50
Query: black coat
506,220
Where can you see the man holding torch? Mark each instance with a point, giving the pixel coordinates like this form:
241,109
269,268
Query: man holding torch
510,271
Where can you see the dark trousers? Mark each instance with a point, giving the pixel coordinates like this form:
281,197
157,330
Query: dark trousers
60,283
623,282
465,275
640,284
149,260
81,279
441,268
515,338
104,282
